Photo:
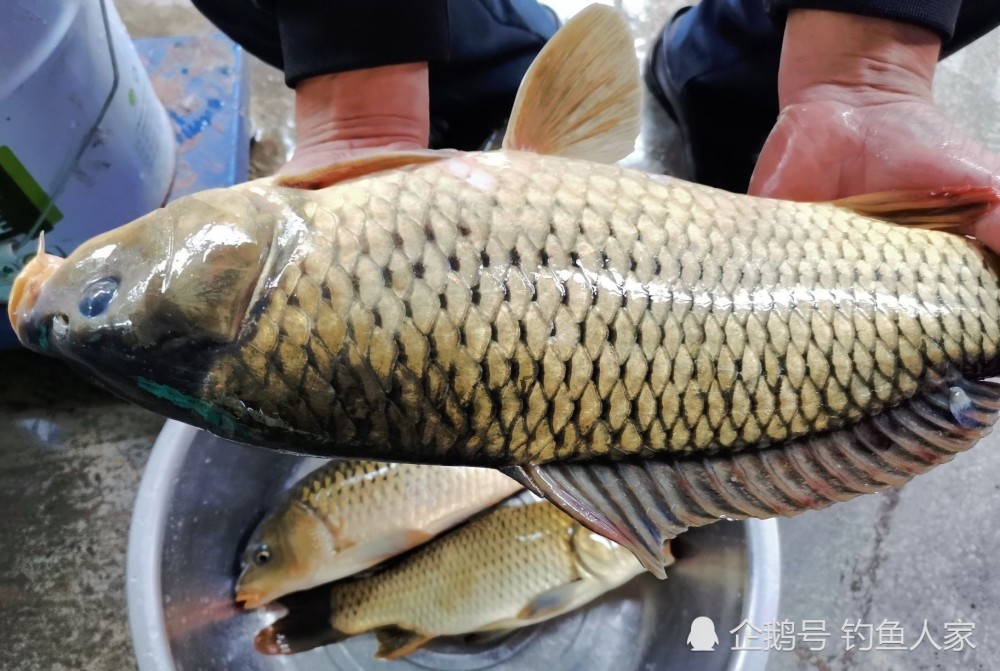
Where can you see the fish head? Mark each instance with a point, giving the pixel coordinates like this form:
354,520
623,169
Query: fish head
602,558
152,299
284,553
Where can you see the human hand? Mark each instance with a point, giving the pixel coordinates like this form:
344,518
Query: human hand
858,117
341,115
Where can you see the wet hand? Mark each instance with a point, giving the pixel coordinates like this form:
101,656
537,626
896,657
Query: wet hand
858,117
338,116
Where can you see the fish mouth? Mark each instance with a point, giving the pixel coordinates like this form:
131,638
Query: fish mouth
27,287
249,599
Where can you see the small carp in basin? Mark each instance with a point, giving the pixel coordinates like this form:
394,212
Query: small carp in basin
647,353
514,566
347,516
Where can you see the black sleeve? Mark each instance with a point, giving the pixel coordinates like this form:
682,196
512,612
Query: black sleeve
937,15
306,38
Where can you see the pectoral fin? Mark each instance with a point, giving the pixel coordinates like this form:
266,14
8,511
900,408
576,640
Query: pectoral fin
394,544
954,209
642,505
396,642
363,164
551,603
581,97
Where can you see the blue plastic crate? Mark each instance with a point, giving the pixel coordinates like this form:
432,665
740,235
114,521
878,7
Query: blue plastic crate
204,83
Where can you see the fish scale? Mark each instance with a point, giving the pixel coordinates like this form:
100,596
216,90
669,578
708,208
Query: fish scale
435,589
647,353
349,515
477,576
461,350
511,567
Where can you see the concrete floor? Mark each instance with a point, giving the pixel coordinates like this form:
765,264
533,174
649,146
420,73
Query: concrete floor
73,458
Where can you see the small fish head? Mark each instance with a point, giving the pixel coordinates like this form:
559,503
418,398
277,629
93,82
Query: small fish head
602,558
152,299
286,551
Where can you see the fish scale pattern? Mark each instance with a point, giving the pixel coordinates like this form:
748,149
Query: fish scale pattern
351,514
511,308
352,496
484,572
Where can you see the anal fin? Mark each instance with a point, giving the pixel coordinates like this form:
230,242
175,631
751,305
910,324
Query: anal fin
644,504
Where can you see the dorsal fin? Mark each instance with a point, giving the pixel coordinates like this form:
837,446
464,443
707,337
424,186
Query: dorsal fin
581,97
359,166
955,210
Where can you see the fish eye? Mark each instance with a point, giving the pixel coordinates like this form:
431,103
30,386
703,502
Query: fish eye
262,555
98,296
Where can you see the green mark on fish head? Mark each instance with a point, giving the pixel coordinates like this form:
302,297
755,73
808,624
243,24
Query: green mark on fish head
43,337
211,414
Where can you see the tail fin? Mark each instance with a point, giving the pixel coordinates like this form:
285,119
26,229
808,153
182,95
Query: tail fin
306,626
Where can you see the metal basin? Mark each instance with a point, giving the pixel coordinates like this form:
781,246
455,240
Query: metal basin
201,496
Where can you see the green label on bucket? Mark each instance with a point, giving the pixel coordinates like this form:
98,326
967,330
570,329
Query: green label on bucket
22,200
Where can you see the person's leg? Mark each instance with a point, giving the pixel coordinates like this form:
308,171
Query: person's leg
492,43
975,19
244,23
715,69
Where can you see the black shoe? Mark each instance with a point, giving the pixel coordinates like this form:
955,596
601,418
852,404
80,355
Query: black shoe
723,123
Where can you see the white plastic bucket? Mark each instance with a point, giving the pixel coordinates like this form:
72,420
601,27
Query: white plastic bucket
85,145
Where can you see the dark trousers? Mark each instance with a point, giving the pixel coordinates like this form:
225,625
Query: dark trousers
491,44
723,62
723,56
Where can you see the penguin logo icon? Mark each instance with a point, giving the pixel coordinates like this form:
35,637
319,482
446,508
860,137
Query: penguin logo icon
703,637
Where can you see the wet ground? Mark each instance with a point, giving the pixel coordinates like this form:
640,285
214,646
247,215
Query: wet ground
72,459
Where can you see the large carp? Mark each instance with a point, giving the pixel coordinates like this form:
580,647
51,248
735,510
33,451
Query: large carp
648,353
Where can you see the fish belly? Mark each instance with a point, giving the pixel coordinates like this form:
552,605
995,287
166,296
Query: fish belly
484,573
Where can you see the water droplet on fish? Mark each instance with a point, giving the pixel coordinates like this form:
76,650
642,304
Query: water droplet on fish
961,407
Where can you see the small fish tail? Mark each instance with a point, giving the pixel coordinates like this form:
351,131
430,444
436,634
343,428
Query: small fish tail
306,626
